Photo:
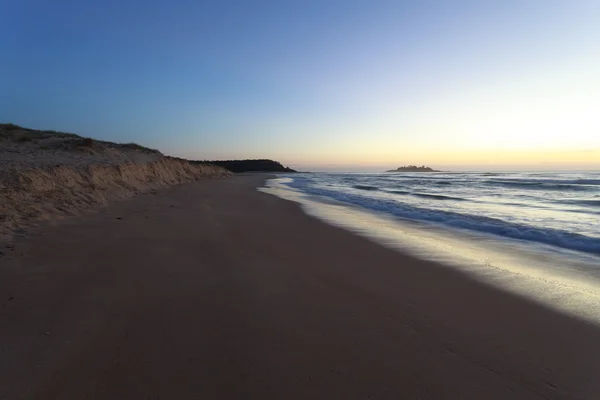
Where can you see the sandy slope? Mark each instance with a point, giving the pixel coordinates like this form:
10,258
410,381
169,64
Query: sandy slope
214,290
45,175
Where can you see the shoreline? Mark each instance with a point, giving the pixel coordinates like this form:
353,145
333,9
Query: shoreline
561,279
215,289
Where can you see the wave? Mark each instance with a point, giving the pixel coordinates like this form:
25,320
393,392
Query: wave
438,197
569,181
549,236
418,175
536,185
587,181
551,181
365,187
399,191
426,195
588,203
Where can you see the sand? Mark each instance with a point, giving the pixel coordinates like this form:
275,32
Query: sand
45,175
215,290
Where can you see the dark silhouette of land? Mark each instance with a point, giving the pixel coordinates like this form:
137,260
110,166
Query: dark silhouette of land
413,168
249,165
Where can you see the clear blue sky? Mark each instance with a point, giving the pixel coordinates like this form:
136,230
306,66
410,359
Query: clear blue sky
315,84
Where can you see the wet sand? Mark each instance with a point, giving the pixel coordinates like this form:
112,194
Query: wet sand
215,290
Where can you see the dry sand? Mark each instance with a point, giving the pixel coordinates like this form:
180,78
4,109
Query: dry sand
214,290
45,175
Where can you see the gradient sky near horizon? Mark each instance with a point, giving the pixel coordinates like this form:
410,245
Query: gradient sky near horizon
346,85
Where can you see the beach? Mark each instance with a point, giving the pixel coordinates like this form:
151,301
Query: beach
216,290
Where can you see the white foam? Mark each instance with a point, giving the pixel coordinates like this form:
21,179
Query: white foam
563,280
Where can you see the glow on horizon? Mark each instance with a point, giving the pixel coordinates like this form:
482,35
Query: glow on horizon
329,85
542,121
547,124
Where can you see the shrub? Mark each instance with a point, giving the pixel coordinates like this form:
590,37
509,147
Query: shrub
135,146
24,138
10,127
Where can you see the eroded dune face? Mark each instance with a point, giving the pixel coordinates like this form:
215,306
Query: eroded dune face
44,175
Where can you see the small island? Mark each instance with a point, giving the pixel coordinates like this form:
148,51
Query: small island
413,168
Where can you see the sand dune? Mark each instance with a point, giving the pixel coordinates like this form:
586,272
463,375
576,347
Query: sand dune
45,175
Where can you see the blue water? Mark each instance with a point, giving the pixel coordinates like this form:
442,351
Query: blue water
561,210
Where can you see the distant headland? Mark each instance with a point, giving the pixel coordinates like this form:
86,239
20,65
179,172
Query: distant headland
249,165
413,168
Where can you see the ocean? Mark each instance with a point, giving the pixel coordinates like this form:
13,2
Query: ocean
537,234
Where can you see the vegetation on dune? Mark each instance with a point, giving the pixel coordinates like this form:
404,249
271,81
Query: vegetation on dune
16,133
135,146
47,140
48,174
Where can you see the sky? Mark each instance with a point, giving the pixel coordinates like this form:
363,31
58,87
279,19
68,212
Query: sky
318,85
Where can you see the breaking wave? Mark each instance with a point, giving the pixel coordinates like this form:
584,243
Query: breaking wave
508,225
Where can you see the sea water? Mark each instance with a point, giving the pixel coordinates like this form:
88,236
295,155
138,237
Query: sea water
534,234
